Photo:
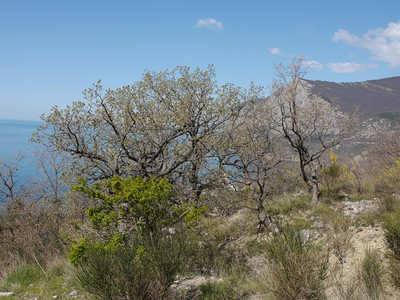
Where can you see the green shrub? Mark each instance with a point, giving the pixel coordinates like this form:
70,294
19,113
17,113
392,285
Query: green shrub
128,208
337,177
127,204
393,268
389,180
218,291
297,267
330,176
371,273
391,225
143,269
95,273
389,204
135,245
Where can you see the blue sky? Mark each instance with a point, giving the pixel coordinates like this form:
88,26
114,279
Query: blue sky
52,50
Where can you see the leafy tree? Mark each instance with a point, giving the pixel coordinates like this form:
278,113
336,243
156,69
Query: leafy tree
309,124
162,125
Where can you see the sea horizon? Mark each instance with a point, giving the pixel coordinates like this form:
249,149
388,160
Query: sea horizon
15,139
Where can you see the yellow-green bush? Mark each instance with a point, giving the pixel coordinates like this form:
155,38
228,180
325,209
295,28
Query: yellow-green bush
389,180
337,177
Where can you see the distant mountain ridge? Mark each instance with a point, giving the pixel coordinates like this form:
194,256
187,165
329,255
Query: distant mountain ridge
373,97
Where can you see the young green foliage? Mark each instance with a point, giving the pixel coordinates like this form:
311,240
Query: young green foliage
128,208
128,203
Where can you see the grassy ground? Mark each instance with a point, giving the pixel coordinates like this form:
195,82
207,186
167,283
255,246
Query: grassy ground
33,282
349,256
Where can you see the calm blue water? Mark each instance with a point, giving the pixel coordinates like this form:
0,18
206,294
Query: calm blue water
14,138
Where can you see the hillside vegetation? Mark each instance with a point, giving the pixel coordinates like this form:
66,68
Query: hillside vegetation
177,188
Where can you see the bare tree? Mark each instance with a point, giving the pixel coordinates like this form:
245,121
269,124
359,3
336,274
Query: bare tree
309,124
251,155
384,152
10,190
50,184
31,214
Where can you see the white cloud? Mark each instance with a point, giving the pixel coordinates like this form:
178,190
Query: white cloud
349,67
384,44
275,51
313,64
345,36
209,23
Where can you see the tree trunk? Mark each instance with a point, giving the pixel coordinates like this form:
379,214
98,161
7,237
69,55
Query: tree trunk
262,214
314,187
312,183
265,222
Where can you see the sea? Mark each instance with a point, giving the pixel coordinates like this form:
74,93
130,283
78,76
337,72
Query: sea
14,139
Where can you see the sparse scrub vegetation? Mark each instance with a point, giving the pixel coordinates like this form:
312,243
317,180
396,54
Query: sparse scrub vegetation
389,180
391,225
371,273
144,269
340,241
389,204
337,178
297,266
177,188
